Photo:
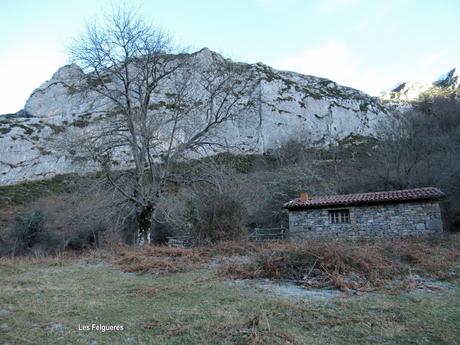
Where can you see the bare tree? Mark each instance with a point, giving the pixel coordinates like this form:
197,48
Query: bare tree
413,151
419,148
214,209
160,108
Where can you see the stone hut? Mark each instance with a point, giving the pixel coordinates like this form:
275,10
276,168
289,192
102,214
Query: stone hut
390,214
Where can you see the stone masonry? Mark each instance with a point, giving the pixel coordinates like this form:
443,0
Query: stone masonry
368,222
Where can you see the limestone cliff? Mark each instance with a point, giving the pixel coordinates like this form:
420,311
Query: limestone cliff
289,105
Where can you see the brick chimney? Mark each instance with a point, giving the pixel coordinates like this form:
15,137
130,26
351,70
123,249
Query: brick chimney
303,197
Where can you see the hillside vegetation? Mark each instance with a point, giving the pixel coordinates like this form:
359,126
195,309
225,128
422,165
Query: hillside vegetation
225,196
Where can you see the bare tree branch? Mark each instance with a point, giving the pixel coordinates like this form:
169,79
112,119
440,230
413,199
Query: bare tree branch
162,109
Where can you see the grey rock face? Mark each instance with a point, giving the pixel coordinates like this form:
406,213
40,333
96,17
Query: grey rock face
55,97
289,105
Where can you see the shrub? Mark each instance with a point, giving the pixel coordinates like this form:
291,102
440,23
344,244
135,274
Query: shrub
72,222
85,237
351,265
29,232
209,211
215,216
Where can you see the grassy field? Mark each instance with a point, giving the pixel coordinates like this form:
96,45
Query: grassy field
45,301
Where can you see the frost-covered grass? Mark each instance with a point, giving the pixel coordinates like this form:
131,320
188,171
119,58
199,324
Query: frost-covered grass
44,301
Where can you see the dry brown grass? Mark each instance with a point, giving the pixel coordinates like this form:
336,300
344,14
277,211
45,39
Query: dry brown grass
344,265
359,266
199,307
163,259
158,259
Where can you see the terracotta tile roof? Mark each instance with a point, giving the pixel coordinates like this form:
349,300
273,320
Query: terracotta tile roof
428,193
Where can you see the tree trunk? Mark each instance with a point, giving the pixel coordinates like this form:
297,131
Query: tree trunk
144,220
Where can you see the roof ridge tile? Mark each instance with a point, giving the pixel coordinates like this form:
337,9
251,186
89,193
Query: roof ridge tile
425,193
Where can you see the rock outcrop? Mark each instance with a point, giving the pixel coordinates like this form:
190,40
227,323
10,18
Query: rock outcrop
289,105
411,91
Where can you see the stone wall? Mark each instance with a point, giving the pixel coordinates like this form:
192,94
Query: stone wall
368,222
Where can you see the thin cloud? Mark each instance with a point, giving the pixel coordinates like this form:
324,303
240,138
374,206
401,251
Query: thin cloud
373,83
336,61
431,59
333,60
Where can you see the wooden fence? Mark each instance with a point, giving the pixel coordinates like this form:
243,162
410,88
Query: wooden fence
180,241
261,234
258,234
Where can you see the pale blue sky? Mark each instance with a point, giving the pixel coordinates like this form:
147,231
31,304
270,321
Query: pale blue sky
369,45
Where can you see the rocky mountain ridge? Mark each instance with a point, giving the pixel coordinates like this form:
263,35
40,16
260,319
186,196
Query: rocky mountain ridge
408,91
289,106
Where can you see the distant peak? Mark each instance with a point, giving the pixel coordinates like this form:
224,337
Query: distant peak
207,55
400,86
205,52
450,78
409,91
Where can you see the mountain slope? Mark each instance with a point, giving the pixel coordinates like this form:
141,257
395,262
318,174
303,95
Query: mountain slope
288,105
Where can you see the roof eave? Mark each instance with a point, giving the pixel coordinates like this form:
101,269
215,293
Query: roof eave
365,203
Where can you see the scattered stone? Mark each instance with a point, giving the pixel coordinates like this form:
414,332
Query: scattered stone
130,340
31,324
57,327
